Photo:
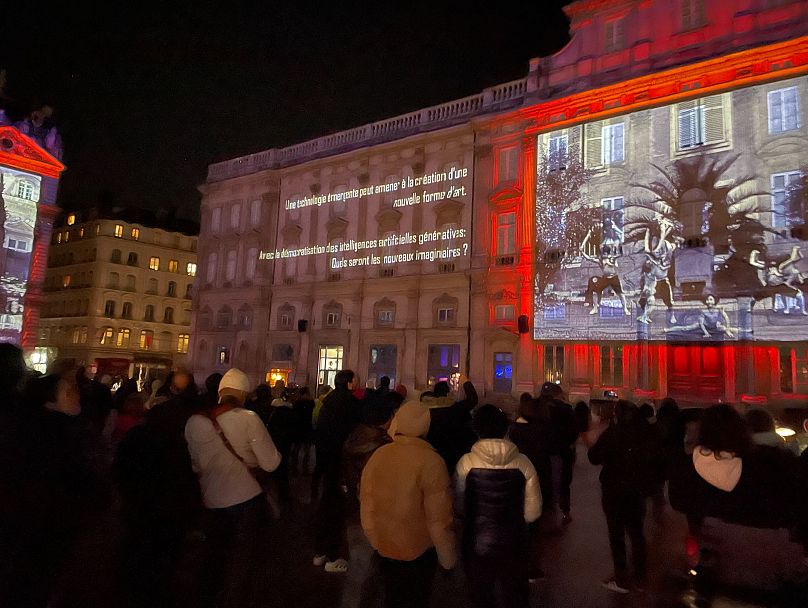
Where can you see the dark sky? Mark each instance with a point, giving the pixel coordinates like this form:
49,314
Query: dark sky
147,96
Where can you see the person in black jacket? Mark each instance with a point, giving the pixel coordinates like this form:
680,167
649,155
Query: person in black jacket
629,458
450,431
566,428
338,417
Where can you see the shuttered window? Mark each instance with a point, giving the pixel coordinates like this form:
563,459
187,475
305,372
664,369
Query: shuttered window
784,110
613,143
557,151
785,205
605,144
701,122
594,145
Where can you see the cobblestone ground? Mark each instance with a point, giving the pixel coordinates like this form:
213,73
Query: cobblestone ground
576,558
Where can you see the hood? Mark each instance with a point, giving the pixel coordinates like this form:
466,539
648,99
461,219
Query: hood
438,401
412,419
722,471
769,438
495,452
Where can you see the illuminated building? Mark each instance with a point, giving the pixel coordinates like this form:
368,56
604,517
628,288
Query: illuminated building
29,177
705,102
118,292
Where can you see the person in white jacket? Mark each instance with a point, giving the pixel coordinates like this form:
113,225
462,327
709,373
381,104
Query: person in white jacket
498,493
226,444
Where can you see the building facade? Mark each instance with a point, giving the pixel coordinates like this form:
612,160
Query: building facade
569,226
118,293
30,168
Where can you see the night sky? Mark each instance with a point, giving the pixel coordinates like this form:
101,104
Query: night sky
146,98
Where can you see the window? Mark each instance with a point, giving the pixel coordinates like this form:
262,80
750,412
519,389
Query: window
252,261
216,219
557,152
615,37
613,143
692,14
446,315
504,313
785,205
58,237
81,232
232,263
130,282
66,281
385,317
793,369
508,168
122,338
152,286
222,355
604,144
116,256
213,261
553,363
172,289
126,311
332,319
131,259
190,269
224,318
109,308
503,372
613,218
506,233
25,190
611,365
71,219
555,311
235,216
83,335
255,212
285,321
182,343
67,236
136,233
118,231
443,364
114,279
148,314
168,315
328,364
173,265
74,336
245,317
784,110
146,339
189,291
106,336
286,317
154,263
701,122
21,245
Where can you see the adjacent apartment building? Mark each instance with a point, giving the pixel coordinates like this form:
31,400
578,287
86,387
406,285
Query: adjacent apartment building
118,292
629,216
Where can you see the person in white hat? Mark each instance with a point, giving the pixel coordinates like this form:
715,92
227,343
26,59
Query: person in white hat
227,443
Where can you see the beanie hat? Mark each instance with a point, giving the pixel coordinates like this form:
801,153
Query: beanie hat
234,380
412,420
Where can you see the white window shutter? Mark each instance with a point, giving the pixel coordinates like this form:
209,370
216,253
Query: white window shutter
594,145
688,125
713,119
775,112
791,109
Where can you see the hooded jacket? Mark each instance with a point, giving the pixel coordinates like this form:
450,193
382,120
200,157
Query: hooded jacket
405,501
500,455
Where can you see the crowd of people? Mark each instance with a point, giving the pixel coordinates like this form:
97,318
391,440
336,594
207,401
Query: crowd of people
435,479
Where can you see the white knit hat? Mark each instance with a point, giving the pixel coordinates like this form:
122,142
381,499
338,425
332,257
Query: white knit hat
234,379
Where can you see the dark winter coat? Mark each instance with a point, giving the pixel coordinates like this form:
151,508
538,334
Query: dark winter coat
338,417
450,431
539,442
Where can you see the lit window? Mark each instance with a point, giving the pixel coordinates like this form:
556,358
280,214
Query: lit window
446,315
81,232
74,338
71,219
66,281
508,165
173,265
58,237
118,231
154,263
106,336
385,317
97,229
222,355
784,110
504,313
503,372
190,269
122,338
332,319
182,343
83,335
67,236
701,122
136,233
146,337
785,199
553,363
25,190
506,233
557,152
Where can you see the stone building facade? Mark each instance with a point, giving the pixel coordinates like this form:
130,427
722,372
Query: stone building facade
118,293
642,85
